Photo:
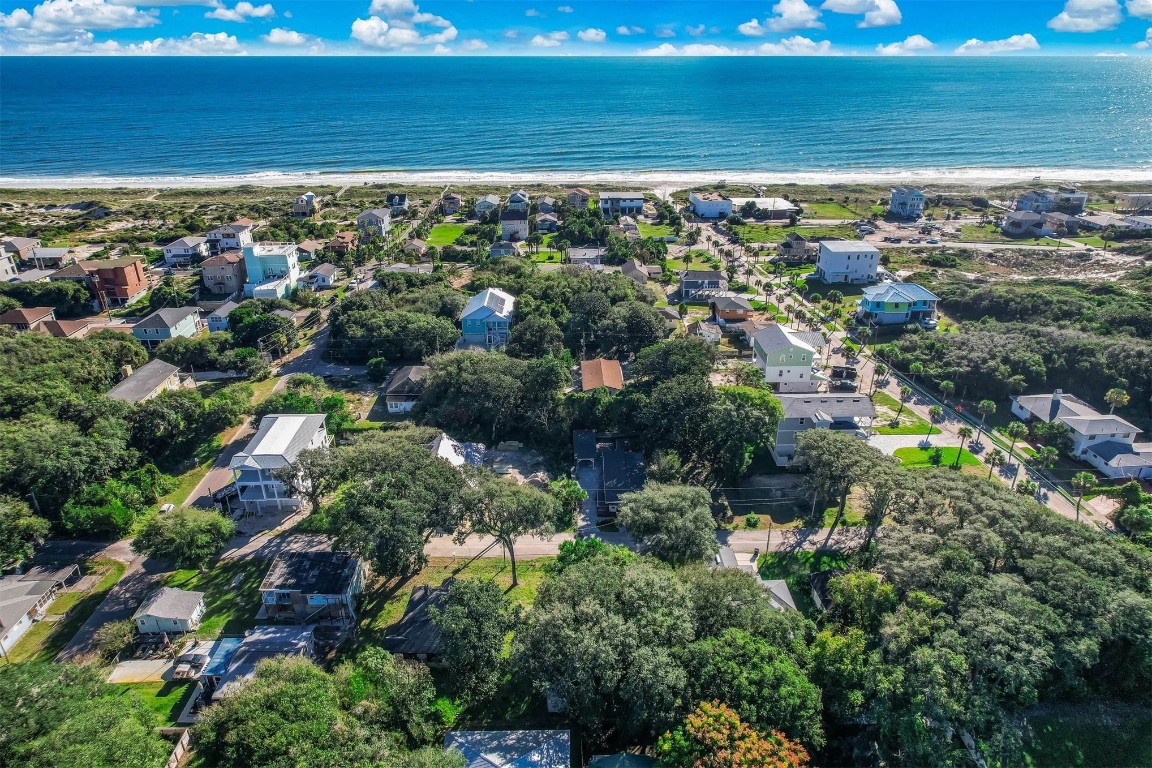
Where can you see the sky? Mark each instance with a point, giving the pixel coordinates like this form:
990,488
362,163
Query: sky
577,27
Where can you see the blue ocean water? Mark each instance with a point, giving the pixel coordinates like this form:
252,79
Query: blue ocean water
68,117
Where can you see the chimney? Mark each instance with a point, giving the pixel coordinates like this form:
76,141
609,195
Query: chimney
1056,395
125,371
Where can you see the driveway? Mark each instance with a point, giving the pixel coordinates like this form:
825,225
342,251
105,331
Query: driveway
140,579
219,475
141,671
889,443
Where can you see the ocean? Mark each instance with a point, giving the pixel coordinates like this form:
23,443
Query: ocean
257,118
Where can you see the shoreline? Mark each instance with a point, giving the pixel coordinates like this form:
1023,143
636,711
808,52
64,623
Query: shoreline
659,179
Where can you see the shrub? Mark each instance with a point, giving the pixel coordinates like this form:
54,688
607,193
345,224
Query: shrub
752,521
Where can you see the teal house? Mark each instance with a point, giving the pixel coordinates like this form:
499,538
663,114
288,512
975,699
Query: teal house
895,303
164,324
273,270
487,318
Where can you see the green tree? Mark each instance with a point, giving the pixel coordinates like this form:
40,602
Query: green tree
947,389
108,732
672,522
20,531
570,496
965,434
629,327
170,293
391,694
1082,482
832,462
879,373
184,537
905,396
985,408
681,356
1116,398
713,736
473,622
535,336
507,511
995,461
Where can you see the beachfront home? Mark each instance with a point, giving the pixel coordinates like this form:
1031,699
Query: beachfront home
230,237
49,258
788,358
848,413
24,598
405,387
169,611
697,285
279,440
796,249
710,332
19,248
1138,222
27,318
487,204
305,206
374,222
451,204
185,251
1062,224
8,269
309,250
767,207
487,318
272,269
907,202
168,323
847,261
578,197
895,303
601,372
1024,224
511,749
312,587
1104,440
730,309
397,202
641,272
546,204
69,329
218,318
1126,202
519,201
513,225
153,378
415,249
710,205
1066,199
224,273
613,204
112,282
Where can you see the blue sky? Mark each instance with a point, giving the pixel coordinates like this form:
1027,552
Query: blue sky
576,27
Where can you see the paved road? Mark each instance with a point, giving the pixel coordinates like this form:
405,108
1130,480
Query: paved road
139,579
219,475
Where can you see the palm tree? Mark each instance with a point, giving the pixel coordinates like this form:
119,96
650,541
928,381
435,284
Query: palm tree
1116,397
915,369
879,371
965,434
836,297
947,388
1047,456
1082,482
985,408
905,393
1016,430
995,460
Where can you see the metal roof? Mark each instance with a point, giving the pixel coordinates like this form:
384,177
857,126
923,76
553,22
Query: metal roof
170,603
279,440
496,301
835,406
512,749
899,292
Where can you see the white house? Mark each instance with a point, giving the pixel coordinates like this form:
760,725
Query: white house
614,204
847,261
518,201
230,237
710,205
1066,199
404,389
1134,202
305,205
320,277
169,610
186,250
849,413
7,267
276,445
511,749
1138,222
487,204
397,202
25,597
1105,441
788,358
767,207
513,225
907,202
374,222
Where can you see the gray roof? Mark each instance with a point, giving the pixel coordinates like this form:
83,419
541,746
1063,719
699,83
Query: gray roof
225,309
702,275
18,596
1074,412
1118,454
20,243
312,573
731,302
143,382
513,215
777,589
494,300
585,253
621,195
328,270
279,440
415,633
375,213
166,318
847,246
775,337
50,253
898,292
187,242
623,472
512,749
584,444
170,603
262,643
810,406
494,199
407,379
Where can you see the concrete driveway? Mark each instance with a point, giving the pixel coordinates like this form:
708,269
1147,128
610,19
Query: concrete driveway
140,579
141,671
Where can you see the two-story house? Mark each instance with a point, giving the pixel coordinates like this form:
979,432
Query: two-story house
641,272
230,237
20,248
547,222
788,358
730,309
398,203
8,269
487,318
342,244
796,249
164,324
451,204
710,205
185,251
1129,202
547,204
697,285
50,258
272,269
1104,440
374,222
487,204
848,413
405,387
907,202
27,318
519,201
847,261
775,208
310,587
578,197
218,318
224,273
896,303
1065,199
513,225
275,446
613,204
320,277
112,282
305,206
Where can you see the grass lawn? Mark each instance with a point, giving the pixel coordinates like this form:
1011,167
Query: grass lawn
694,258
547,257
384,601
829,211
922,457
655,230
775,233
45,639
795,567
165,699
444,234
230,609
909,422
1091,735
1094,241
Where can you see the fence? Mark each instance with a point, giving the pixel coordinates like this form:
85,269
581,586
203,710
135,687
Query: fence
180,751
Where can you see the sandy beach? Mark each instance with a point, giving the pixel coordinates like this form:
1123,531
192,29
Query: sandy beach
659,180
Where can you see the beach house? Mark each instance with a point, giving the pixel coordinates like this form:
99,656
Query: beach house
640,272
24,599
342,244
310,587
20,248
487,204
24,319
168,323
1065,199
546,205
767,207
405,387
153,378
906,202
185,251
272,270
451,203
170,611
277,443
796,249
306,206
218,318
547,222
896,303
730,309
397,202
710,205
518,201
848,413
374,222
7,267
320,277
487,318
847,261
696,285
223,273
613,204
230,237
50,258
601,372
586,257
513,225
789,359
578,197
1133,202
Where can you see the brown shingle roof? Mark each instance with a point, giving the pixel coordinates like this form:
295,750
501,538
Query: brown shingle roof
26,316
601,373
225,259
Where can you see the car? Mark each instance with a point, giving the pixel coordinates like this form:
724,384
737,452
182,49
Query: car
914,240
929,324
166,508
866,231
933,241
897,240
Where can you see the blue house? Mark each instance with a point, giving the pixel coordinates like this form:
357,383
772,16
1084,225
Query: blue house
272,268
164,324
896,303
487,318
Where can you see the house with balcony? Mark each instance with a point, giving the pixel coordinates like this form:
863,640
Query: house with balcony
774,208
342,244
896,303
710,205
796,249
224,273
186,251
374,222
1065,199
514,225
218,318
789,359
578,197
168,323
1131,202
50,258
547,204
487,318
8,269
613,204
230,237
847,261
397,203
730,309
312,587
906,202
1104,440
305,206
848,413
24,599
698,285
519,201
272,269
1025,224
487,204
112,282
20,248
451,204
280,439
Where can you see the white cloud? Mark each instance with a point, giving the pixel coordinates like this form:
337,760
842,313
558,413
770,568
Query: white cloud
242,12
565,9
531,12
475,44
511,34
1087,16
281,36
592,35
65,20
551,40
441,50
794,14
909,47
665,32
697,30
796,46
393,25
1146,43
195,44
752,28
632,30
877,13
1141,9
393,8
977,47
692,49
